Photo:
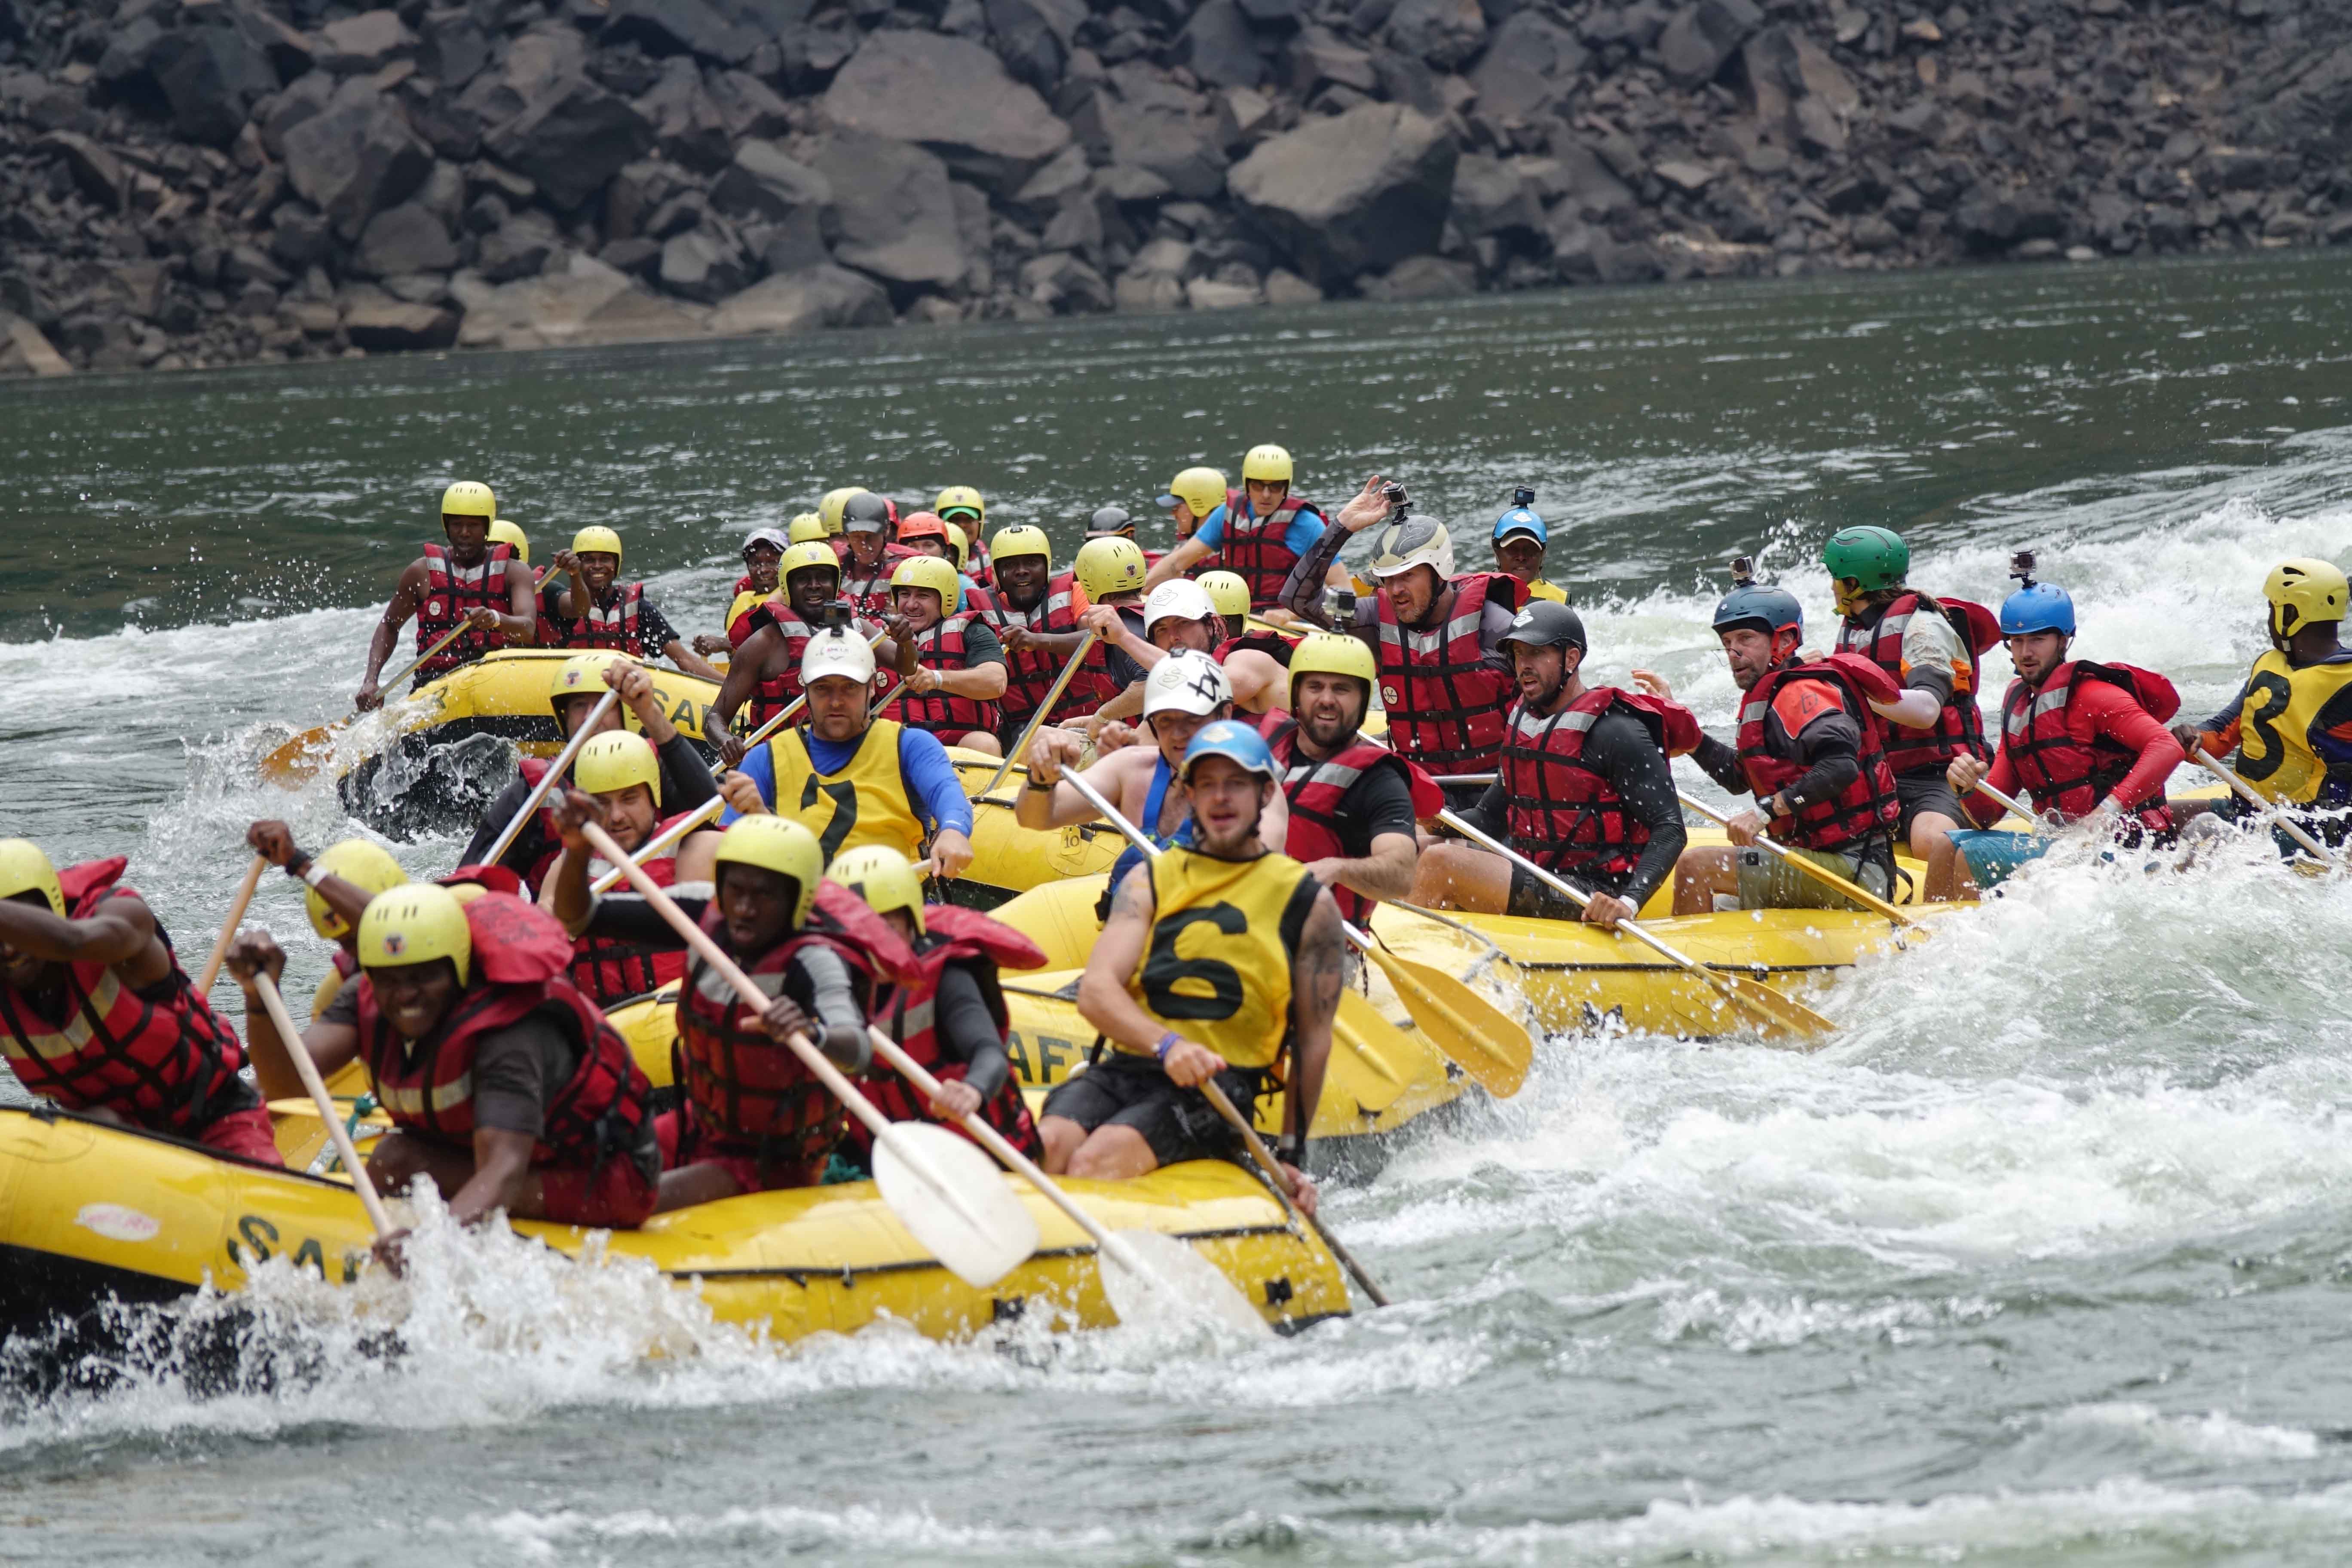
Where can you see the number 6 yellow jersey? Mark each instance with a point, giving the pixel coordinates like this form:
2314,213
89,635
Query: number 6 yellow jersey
1217,969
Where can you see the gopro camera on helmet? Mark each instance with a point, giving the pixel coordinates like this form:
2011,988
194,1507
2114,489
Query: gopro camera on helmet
1524,496
2021,566
1343,606
1743,571
836,614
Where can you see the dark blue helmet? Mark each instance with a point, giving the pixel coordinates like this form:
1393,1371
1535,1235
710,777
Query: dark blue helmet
1769,609
2037,607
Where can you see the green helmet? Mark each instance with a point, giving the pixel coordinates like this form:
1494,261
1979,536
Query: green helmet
1873,557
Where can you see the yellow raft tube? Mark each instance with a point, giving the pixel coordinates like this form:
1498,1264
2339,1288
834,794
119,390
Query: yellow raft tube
87,1210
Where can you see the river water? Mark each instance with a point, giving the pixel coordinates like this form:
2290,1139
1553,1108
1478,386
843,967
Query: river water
2045,1257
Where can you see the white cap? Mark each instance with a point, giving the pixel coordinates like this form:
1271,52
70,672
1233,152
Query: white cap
1186,682
836,652
1414,540
1179,598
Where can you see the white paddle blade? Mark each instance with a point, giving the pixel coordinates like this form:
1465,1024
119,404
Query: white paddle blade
953,1199
1175,1289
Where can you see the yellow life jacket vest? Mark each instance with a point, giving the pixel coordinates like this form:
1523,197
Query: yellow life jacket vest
1217,968
867,801
743,605
1541,589
2295,724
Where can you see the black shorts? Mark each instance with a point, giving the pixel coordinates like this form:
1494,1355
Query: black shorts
1925,790
1531,899
1124,1089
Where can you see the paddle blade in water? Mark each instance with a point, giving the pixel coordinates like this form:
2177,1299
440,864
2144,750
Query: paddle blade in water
1779,1018
1178,1288
954,1200
1493,1049
296,761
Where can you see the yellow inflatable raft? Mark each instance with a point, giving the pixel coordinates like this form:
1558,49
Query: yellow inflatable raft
87,1210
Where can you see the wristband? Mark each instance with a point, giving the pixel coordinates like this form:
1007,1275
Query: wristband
1167,1043
297,865
1039,788
314,873
1292,1152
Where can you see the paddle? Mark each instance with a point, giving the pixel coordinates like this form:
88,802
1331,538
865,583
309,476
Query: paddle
794,706
1193,1288
1445,780
660,841
291,757
1261,624
553,775
1280,1180
1472,1031
1053,695
299,1055
2229,775
1778,1015
405,670
2007,802
973,1225
229,927
1820,874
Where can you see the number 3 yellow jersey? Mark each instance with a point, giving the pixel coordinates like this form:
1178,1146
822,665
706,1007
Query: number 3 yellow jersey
2295,725
1217,968
866,801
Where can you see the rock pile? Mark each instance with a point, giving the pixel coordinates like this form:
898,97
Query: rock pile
201,181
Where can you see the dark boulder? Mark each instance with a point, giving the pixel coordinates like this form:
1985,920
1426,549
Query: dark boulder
1141,119
1446,33
1219,48
355,158
1529,63
1033,38
409,237
572,139
211,78
1992,220
388,323
894,215
952,97
1702,38
680,27
704,266
452,48
1357,192
688,126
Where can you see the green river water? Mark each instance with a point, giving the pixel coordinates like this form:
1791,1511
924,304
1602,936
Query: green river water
2044,1258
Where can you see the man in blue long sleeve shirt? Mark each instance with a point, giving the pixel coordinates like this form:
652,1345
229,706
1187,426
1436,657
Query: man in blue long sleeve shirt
854,782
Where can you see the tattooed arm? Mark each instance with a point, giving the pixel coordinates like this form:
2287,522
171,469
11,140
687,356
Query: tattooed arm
1315,981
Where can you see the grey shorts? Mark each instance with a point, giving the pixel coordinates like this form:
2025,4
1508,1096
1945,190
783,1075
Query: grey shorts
1124,1089
1769,882
1925,790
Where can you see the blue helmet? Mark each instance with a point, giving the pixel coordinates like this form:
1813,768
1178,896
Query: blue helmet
1752,604
1237,743
2037,607
1521,520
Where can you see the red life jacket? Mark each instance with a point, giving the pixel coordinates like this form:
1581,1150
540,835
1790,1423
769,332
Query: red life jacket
1446,702
1958,730
1095,685
908,1014
2057,771
1258,550
1031,675
613,626
870,596
1866,805
739,626
520,955
775,692
745,1089
168,1062
1214,561
1316,789
940,711
1564,816
550,836
612,972
450,592
1277,648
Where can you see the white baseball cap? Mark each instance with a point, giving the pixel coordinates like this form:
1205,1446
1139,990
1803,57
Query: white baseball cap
835,652
1179,598
1186,682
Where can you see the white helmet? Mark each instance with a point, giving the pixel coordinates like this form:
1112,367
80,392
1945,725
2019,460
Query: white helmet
1412,541
835,652
1186,682
1179,598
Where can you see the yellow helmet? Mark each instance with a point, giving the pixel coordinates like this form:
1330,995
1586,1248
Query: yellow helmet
363,865
884,879
505,532
470,498
1021,540
828,510
24,868
931,572
1203,490
582,675
777,844
807,528
961,498
2303,592
1334,653
596,537
1269,463
963,542
415,923
814,552
1108,568
614,761
1229,592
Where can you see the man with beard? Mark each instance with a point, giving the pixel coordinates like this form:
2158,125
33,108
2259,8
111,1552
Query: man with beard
597,611
870,525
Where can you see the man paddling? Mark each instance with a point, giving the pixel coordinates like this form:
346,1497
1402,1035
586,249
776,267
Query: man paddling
97,1015
1219,940
1810,750
597,611
1033,613
1584,790
504,1083
468,581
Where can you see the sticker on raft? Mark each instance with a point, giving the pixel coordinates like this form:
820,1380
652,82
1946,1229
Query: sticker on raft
116,1223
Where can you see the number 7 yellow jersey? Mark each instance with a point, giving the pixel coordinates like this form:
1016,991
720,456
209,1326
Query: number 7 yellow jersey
1217,968
864,801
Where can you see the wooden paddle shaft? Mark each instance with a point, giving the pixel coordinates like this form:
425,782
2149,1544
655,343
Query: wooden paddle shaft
794,706
1822,874
229,927
2229,775
1280,1179
1053,695
299,1054
554,775
663,840
410,668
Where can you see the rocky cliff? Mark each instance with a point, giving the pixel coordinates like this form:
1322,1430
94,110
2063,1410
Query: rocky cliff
204,182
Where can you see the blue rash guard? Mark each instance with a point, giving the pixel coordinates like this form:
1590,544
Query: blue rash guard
939,800
1305,528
